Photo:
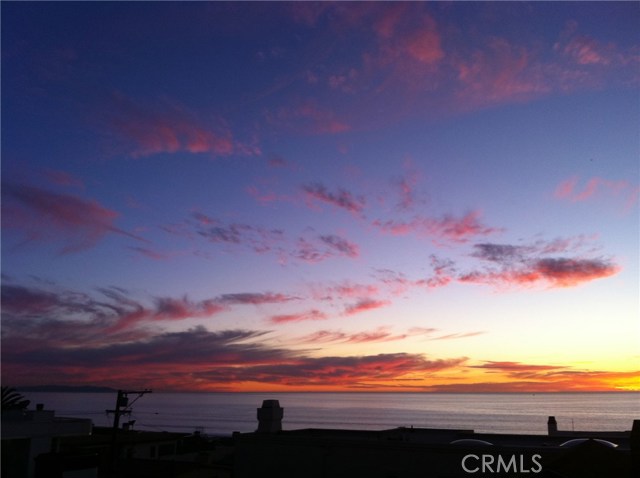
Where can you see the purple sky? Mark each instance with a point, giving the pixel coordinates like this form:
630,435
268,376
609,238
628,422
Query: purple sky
321,196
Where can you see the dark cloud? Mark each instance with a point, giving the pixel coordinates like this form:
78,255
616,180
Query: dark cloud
502,253
198,357
341,371
254,298
342,198
113,308
195,345
256,238
341,245
566,272
320,248
531,264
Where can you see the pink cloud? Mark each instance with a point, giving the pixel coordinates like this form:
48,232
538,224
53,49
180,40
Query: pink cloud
350,289
498,72
586,51
46,215
387,25
168,308
556,272
167,128
570,190
408,40
445,229
380,334
300,317
423,44
583,50
364,305
460,335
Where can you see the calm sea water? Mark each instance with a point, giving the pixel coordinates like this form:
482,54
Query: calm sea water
224,413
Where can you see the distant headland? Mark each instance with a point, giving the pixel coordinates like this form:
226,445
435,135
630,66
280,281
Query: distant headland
67,388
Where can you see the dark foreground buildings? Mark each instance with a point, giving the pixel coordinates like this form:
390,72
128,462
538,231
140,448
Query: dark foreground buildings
69,450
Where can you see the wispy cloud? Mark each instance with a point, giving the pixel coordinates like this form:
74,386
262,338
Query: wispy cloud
350,371
341,245
380,334
596,187
114,310
257,238
444,230
254,298
319,248
44,215
364,305
313,314
342,198
459,335
196,358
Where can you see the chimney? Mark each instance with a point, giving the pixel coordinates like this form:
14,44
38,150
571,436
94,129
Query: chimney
270,417
552,426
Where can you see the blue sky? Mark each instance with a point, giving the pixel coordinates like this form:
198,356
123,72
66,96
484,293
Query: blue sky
321,196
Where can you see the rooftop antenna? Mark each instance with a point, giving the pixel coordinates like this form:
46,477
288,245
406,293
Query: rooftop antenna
123,407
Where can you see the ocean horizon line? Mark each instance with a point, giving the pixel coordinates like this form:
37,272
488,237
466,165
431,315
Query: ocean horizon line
103,389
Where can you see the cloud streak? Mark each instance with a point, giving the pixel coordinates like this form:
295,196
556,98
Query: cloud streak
596,187
444,230
44,215
342,199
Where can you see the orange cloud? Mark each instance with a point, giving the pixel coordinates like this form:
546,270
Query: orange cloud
528,265
557,272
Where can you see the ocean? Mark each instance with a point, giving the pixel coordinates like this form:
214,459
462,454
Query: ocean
224,413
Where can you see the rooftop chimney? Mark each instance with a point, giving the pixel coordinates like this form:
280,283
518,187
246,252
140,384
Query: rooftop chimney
552,426
270,417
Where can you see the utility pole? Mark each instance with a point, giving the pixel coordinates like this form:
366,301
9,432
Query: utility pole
123,407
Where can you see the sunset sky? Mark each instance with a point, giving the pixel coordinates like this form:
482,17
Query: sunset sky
321,196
